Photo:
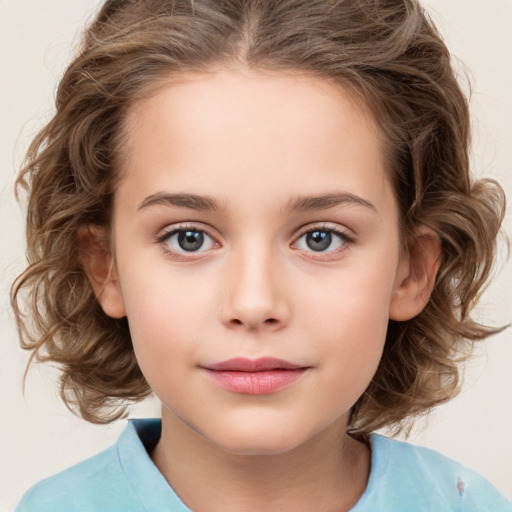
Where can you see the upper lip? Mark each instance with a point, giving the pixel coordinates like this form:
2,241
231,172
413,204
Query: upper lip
262,364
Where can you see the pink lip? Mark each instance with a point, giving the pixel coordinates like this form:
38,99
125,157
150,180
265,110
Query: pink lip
254,376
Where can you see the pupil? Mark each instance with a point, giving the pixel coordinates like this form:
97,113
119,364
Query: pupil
319,240
190,240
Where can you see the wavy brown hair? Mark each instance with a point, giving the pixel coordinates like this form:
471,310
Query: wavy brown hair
387,53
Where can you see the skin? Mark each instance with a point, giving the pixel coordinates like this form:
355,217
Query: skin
255,142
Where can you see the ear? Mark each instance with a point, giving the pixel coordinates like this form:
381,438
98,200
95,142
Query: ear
98,263
416,275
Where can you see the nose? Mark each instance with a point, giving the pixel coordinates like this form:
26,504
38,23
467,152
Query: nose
255,292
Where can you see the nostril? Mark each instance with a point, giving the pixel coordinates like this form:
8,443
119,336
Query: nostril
268,321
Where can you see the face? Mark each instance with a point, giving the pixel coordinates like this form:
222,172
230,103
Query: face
257,255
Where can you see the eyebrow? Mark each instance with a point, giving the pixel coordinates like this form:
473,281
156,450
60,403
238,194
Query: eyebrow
326,201
300,203
192,201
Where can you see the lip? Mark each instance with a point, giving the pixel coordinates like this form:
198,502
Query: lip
262,364
260,376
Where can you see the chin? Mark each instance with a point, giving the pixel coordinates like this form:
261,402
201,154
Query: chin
257,447
260,440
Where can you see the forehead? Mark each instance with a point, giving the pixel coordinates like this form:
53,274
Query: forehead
255,132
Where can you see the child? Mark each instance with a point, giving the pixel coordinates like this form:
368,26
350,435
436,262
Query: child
261,211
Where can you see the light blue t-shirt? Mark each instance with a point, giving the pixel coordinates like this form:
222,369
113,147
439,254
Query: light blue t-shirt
403,478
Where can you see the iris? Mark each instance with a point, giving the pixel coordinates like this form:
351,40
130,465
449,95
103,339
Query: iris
319,240
190,240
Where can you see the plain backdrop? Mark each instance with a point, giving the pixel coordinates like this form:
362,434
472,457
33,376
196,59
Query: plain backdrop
39,436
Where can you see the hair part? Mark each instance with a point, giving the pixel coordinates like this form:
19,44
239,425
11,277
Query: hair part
387,53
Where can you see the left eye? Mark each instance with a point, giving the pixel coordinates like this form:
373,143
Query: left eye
189,240
321,240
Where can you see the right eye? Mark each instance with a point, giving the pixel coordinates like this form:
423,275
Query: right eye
183,240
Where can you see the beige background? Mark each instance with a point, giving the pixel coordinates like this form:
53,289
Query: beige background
39,437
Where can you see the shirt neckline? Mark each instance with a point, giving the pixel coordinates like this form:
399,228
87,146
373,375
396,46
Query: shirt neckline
151,488
146,481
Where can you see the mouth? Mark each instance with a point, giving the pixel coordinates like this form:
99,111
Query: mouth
254,376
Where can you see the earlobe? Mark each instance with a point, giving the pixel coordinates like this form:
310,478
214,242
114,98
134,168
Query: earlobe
416,275
97,261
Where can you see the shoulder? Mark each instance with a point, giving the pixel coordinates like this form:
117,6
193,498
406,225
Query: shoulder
97,483
409,477
120,479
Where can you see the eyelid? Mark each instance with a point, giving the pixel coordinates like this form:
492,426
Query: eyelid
164,233
326,226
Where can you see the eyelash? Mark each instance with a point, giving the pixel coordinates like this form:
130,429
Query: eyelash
345,241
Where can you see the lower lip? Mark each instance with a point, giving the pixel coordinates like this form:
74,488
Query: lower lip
256,383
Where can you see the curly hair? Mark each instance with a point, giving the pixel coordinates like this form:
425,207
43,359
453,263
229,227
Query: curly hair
388,53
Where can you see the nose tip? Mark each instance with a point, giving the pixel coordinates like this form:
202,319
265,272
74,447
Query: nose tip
255,295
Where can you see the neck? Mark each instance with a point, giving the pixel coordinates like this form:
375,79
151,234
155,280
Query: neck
326,473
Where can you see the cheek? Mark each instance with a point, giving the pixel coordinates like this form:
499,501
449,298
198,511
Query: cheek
349,321
167,314
355,299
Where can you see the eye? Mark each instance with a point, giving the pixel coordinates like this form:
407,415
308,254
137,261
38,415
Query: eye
187,240
322,240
